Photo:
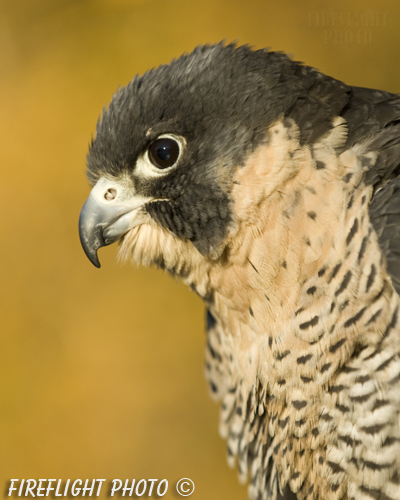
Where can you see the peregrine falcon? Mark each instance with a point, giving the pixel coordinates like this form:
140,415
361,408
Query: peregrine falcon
272,191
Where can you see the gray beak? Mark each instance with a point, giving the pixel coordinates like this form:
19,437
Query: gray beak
109,212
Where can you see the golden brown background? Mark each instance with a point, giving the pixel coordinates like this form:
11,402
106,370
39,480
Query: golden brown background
102,370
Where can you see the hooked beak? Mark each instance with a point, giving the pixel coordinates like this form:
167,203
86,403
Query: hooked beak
110,211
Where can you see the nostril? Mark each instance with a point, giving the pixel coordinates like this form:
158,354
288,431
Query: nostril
110,194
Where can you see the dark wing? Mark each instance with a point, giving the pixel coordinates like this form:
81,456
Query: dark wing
373,116
385,217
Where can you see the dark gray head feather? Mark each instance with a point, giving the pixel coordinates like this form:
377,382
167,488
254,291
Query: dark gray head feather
221,99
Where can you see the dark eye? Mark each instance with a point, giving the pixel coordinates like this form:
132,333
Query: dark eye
163,152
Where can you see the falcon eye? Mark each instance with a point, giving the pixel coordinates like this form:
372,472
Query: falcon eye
164,152
160,156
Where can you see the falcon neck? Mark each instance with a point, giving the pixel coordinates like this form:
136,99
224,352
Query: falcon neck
303,260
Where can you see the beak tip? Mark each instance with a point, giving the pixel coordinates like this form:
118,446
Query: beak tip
96,263
92,256
90,232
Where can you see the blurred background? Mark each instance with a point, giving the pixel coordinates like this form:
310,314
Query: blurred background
102,370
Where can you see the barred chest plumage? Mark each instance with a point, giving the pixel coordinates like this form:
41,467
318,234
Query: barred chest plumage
305,357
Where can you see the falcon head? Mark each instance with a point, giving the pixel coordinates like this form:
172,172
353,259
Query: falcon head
167,151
